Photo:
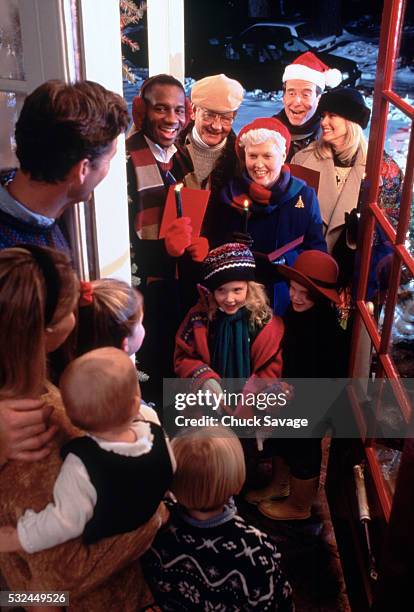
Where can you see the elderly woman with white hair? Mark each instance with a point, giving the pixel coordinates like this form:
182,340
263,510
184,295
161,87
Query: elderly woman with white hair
277,211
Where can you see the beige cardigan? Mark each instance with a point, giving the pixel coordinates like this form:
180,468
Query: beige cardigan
333,205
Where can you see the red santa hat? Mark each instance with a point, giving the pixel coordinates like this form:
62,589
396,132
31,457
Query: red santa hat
308,67
267,123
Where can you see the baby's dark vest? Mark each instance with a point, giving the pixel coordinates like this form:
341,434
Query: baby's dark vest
129,489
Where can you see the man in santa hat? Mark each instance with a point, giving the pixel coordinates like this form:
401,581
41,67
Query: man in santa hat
303,83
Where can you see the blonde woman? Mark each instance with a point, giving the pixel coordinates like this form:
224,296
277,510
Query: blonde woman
340,157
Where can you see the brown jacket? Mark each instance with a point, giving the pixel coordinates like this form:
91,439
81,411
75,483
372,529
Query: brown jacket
105,576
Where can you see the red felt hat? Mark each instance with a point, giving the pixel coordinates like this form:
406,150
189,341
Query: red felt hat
316,271
308,67
267,123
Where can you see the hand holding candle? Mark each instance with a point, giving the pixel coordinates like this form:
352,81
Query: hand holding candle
246,206
178,200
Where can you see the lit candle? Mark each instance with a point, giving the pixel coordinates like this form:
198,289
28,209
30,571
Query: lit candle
363,193
246,206
178,200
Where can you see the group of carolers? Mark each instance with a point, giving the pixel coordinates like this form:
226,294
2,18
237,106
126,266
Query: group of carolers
232,329
247,175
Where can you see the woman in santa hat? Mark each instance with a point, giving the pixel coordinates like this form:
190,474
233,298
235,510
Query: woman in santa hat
273,209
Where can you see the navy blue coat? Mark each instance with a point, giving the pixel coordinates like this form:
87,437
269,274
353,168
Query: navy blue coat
293,211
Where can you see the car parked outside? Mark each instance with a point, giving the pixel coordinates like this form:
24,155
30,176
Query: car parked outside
300,29
258,56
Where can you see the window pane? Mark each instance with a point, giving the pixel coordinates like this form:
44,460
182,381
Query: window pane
394,161
11,51
403,74
402,335
10,104
389,459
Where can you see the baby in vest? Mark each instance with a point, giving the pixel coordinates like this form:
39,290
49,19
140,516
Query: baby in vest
113,478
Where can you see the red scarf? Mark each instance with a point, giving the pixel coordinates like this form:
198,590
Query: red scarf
261,195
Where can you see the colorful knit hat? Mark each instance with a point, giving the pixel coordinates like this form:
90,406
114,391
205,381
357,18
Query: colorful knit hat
308,67
217,93
346,102
227,263
267,123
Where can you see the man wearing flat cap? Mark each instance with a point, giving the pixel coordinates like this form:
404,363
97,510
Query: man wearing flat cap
208,141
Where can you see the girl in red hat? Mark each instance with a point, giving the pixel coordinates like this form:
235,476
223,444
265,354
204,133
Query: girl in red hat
311,349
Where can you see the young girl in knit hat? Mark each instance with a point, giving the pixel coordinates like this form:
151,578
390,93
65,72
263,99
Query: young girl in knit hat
208,557
231,332
313,347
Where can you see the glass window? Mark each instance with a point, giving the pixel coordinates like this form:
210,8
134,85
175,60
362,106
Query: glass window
294,44
402,332
11,50
9,106
389,459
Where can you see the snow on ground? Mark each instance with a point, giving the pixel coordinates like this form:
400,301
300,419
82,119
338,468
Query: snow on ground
365,54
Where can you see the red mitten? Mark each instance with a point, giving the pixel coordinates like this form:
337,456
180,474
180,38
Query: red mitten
178,236
199,249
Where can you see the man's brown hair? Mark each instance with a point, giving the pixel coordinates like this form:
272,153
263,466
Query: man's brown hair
61,124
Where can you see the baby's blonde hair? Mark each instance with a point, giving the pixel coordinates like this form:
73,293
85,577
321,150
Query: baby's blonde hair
99,389
210,467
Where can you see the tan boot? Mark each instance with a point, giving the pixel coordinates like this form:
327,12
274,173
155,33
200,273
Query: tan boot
278,487
297,506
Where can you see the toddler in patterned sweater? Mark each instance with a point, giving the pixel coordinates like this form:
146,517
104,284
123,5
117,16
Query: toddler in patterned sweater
207,557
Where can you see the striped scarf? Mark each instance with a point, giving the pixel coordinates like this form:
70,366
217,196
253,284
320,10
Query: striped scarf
151,179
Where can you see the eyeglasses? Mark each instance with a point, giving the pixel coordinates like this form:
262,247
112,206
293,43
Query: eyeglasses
226,120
